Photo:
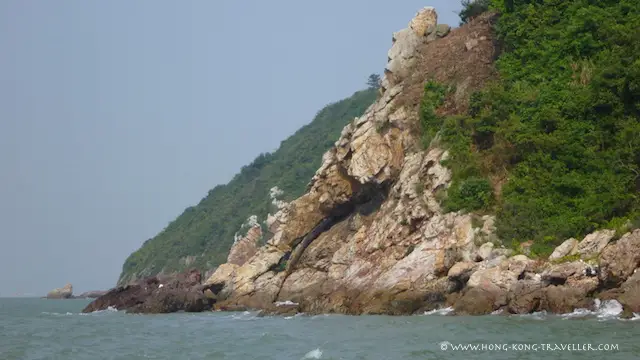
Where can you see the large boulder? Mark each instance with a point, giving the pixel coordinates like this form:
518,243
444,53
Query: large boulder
593,244
568,247
525,297
181,292
487,290
480,300
65,292
564,299
619,260
630,297
484,252
425,18
569,286
461,272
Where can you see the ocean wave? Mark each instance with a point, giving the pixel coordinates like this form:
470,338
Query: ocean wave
285,303
540,315
57,314
603,310
108,310
444,311
244,316
313,354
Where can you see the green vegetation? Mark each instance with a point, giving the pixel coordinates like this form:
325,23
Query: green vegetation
430,121
206,231
373,82
472,8
558,132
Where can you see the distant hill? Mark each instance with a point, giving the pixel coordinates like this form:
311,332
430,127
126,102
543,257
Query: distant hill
202,235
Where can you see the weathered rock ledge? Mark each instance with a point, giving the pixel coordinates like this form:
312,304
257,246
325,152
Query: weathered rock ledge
181,292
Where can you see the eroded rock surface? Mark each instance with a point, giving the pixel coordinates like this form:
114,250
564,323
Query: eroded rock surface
244,248
181,292
619,260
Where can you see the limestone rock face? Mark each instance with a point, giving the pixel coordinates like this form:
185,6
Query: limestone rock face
568,247
619,260
65,292
243,249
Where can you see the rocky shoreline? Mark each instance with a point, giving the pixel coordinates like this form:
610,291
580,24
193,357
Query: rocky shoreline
493,283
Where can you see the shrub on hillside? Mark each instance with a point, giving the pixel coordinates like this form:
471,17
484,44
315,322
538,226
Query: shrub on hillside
472,8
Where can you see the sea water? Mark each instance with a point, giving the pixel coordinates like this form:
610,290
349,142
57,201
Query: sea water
56,329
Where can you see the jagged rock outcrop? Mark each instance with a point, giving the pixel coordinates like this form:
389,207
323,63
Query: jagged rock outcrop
65,292
153,295
244,248
369,235
91,294
403,54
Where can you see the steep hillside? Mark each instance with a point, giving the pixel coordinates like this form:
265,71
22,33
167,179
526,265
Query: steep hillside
202,235
557,135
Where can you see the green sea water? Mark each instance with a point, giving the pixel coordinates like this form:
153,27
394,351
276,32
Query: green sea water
55,329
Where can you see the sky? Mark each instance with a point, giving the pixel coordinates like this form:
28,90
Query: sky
116,115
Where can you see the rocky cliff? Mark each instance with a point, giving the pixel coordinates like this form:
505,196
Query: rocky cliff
369,235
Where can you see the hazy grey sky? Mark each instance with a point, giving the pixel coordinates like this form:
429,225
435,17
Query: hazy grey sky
115,115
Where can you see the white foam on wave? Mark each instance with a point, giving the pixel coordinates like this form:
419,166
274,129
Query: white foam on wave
285,303
604,310
110,309
294,316
498,312
244,316
540,315
608,309
444,311
313,354
577,313
56,314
